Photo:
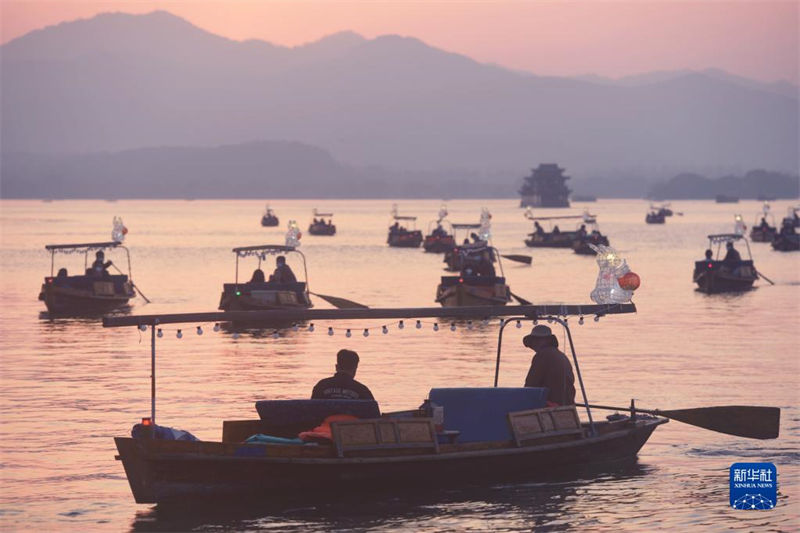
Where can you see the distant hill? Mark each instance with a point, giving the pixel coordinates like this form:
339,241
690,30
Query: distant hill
754,184
263,169
120,82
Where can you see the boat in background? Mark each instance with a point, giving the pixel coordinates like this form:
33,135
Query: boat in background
322,225
787,240
269,218
401,236
654,217
716,275
725,199
555,238
261,293
89,293
663,209
477,282
439,240
762,231
582,243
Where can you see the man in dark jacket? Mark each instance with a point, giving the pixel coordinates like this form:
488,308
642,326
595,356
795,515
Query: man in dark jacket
283,273
342,386
550,367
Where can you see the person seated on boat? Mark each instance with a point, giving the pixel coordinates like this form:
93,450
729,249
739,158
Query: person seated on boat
439,231
342,385
538,227
394,228
485,266
258,276
556,231
709,254
62,273
732,257
283,273
549,367
99,267
764,225
582,232
787,228
475,238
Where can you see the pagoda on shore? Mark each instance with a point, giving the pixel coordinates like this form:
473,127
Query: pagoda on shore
545,187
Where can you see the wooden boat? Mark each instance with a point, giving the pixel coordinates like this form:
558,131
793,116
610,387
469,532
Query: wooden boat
88,293
439,240
454,256
555,238
715,275
269,219
470,288
786,242
402,237
516,438
662,209
654,217
322,225
581,244
726,199
260,293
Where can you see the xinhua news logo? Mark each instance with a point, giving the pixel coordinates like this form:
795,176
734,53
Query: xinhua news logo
754,486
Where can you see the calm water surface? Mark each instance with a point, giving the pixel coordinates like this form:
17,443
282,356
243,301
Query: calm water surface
69,386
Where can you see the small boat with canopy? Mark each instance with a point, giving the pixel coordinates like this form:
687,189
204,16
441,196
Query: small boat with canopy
94,291
262,292
555,238
586,239
269,218
764,229
477,283
460,436
729,274
439,240
655,217
400,235
322,224
662,209
453,257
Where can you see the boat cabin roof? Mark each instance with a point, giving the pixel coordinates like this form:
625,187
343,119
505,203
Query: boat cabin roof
466,226
317,214
87,246
274,248
398,217
724,237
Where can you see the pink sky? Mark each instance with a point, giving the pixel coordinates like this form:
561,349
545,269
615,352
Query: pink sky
757,39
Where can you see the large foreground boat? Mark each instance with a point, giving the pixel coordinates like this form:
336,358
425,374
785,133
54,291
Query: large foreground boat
261,292
714,275
486,434
95,291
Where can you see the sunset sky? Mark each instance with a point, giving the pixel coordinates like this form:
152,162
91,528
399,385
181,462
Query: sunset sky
758,39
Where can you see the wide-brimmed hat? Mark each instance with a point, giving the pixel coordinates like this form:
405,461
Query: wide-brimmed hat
538,332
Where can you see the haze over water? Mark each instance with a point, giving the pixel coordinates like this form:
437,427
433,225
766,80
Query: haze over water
69,386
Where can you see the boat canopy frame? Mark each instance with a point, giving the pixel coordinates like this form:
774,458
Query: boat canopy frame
85,248
719,238
261,251
558,313
318,214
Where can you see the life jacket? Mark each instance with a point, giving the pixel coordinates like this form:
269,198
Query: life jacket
323,431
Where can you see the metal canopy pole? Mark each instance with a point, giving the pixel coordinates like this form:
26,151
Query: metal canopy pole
578,372
153,376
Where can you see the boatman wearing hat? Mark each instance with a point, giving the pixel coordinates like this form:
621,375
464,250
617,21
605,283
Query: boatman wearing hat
342,386
550,367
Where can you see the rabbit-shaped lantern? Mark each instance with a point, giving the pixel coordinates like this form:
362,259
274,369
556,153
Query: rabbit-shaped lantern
615,281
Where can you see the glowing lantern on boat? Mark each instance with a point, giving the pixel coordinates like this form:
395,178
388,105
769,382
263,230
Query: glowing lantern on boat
629,281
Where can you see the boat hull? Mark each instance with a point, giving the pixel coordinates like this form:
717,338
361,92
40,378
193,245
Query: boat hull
322,229
269,221
465,293
581,246
550,240
409,239
655,219
438,245
720,278
175,471
758,234
786,243
62,300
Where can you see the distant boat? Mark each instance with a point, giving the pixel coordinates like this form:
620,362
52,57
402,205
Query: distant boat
725,199
269,218
715,275
323,225
583,198
655,217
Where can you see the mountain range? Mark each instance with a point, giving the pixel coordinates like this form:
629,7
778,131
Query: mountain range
133,83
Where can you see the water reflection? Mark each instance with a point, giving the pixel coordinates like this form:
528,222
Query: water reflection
552,500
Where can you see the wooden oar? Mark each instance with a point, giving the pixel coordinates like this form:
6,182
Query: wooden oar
522,301
765,278
132,284
340,303
740,420
518,258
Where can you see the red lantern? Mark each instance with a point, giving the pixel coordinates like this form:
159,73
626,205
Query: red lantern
124,230
630,281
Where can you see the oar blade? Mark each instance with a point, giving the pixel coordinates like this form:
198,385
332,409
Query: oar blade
518,258
522,301
341,303
740,420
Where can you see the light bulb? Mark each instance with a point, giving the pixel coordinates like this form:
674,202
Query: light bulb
142,327
401,325
469,324
311,328
216,327
435,326
519,324
275,334
597,318
199,330
419,324
384,330
580,321
366,332
160,333
452,326
179,334
330,331
348,334
294,327
235,334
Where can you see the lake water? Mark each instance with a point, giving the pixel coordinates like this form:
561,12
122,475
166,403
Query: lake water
69,386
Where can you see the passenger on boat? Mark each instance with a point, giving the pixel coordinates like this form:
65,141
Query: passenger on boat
485,266
787,228
556,231
709,254
283,273
764,225
582,231
439,231
538,227
258,276
549,367
62,273
342,386
732,257
99,268
394,228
